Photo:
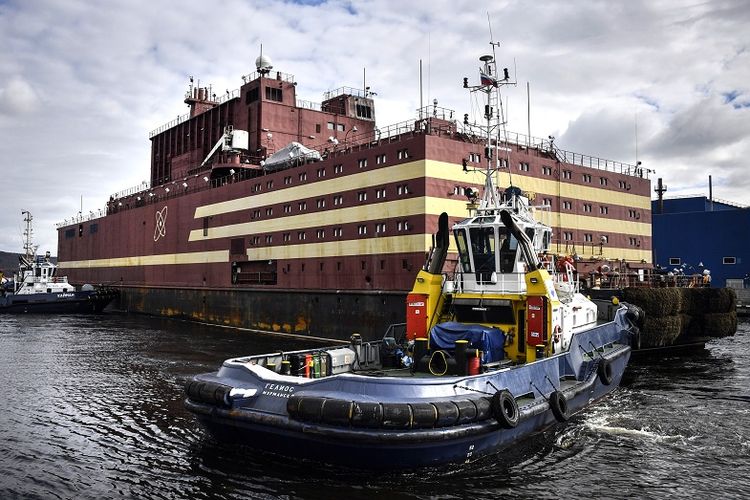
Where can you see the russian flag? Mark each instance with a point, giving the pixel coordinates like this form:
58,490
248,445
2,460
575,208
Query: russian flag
487,80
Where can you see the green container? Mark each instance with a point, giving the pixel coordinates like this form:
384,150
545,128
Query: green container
316,366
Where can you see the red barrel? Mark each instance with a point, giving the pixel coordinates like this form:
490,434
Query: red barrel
474,361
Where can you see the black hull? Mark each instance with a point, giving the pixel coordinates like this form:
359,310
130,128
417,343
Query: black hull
54,303
322,314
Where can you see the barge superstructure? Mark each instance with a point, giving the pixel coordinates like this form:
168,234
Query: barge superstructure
269,212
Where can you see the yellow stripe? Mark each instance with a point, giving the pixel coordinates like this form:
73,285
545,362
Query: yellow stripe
361,180
150,260
588,223
452,172
401,208
348,215
366,246
418,170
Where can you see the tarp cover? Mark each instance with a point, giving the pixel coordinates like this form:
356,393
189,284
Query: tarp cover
488,340
293,153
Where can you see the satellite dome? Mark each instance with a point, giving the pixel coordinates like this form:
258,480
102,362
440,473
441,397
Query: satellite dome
263,64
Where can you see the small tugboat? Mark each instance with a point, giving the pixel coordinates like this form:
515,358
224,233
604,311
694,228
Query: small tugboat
503,347
36,289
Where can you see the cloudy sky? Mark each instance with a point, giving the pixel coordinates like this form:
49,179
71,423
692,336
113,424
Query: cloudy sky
83,82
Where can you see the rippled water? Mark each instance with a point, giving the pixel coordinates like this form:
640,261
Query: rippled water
91,407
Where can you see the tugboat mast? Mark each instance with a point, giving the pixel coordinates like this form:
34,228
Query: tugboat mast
490,84
28,234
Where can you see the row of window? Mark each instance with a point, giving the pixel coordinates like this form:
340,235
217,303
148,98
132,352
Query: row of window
589,208
587,237
337,232
321,172
568,174
677,261
340,265
603,239
338,199
272,94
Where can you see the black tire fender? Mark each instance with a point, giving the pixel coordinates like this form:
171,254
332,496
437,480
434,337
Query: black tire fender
505,409
604,370
559,406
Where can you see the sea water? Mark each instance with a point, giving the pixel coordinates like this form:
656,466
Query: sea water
92,407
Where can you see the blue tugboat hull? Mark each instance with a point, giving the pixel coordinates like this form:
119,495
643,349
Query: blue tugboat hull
273,418
93,301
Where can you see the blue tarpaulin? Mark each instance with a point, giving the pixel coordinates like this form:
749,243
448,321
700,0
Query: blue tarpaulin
488,340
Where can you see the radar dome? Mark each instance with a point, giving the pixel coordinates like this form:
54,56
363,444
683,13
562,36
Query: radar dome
264,64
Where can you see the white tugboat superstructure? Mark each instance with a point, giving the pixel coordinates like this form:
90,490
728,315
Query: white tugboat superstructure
37,288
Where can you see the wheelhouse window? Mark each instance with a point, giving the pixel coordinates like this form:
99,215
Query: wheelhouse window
729,260
463,250
508,249
483,251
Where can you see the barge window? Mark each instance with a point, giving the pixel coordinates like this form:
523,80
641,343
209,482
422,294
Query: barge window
364,111
273,94
463,252
729,260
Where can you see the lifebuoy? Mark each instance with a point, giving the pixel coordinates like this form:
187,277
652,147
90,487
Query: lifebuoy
556,333
505,409
559,406
604,370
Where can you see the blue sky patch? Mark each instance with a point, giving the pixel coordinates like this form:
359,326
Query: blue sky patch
731,96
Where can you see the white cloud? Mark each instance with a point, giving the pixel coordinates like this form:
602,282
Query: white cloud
81,84
17,98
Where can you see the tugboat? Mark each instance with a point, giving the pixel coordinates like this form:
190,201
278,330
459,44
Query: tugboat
499,349
35,288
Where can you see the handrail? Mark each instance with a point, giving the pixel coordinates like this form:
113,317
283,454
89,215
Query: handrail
228,96
143,186
716,200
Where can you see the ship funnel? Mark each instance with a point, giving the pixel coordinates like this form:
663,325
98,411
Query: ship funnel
440,250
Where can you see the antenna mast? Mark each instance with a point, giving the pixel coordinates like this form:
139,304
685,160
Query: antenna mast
490,83
28,235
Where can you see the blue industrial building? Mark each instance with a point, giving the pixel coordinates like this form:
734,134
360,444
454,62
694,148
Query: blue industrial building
696,233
